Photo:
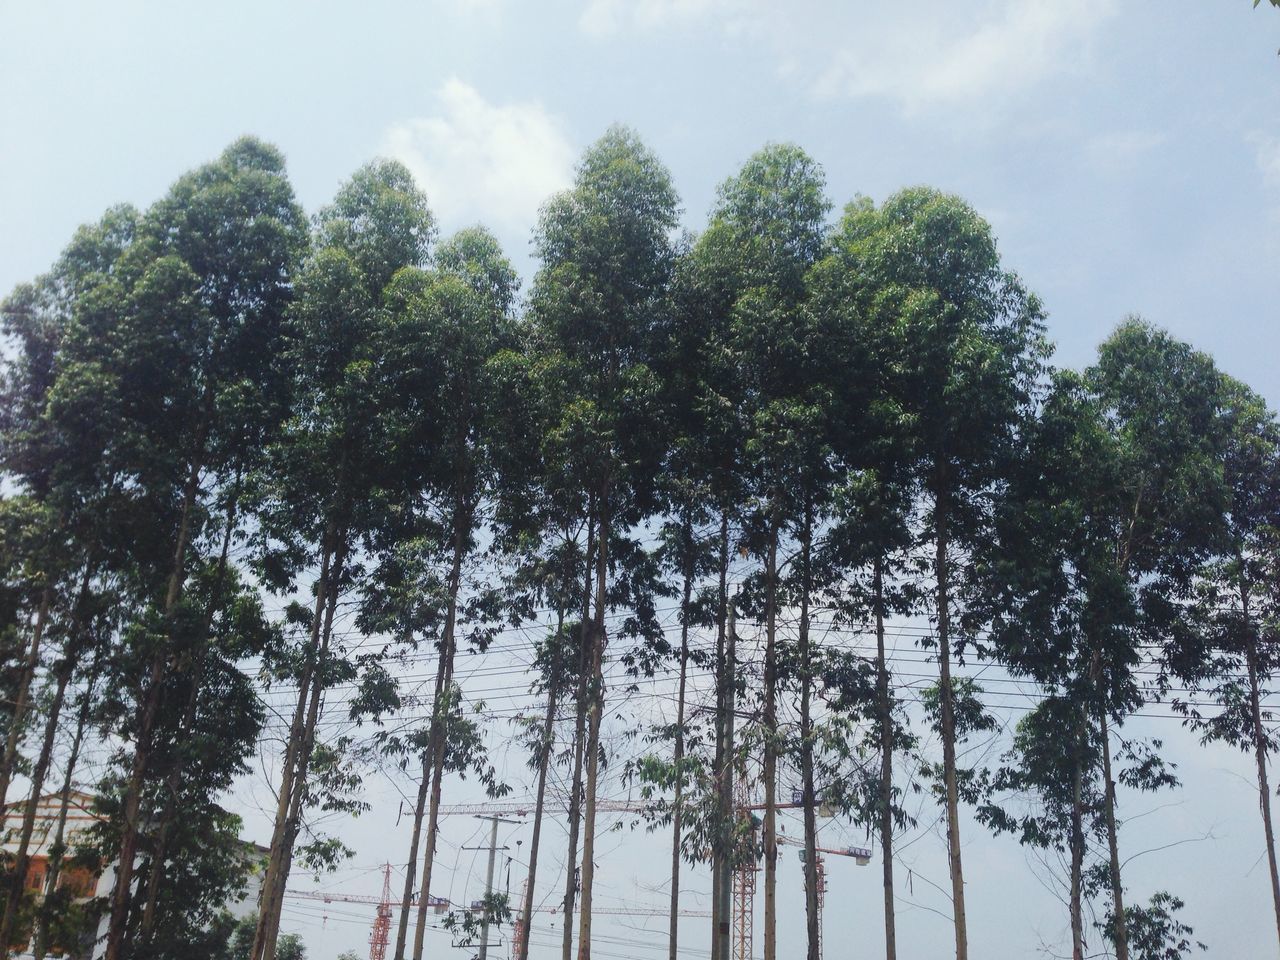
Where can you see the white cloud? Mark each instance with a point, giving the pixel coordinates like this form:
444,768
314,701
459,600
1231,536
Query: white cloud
484,162
608,17
1266,153
1122,151
936,54
923,54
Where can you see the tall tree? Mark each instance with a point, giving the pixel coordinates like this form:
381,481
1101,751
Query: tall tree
324,488
971,339
767,229
606,255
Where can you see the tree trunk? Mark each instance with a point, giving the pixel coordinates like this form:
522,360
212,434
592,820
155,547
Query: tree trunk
289,764
678,756
169,815
544,763
813,919
771,746
17,885
1077,847
579,745
438,739
17,880
1113,847
27,677
942,574
121,893
1259,740
56,848
594,716
885,703
722,863
411,868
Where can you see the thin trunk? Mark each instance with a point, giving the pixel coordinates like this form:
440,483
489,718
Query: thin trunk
1113,847
29,666
58,845
169,815
771,747
942,573
289,763
439,735
722,864
678,757
579,741
293,822
886,767
1077,846
594,716
150,708
1259,739
813,919
411,867
21,859
62,677
544,764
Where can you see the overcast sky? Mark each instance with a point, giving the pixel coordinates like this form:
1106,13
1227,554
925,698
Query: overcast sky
1128,155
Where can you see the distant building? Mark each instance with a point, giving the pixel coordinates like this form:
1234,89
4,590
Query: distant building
84,884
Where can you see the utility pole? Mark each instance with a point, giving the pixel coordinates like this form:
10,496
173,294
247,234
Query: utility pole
488,881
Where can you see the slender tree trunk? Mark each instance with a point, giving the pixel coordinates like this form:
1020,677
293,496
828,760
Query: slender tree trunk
169,815
677,814
57,847
721,862
438,739
44,759
23,694
289,764
17,880
544,764
771,746
579,744
1259,739
942,574
1113,846
726,882
1077,846
594,716
121,893
885,704
813,919
411,867
293,822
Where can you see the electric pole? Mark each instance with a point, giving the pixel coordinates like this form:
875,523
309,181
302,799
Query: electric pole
485,904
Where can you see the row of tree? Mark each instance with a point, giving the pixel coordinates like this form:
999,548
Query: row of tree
240,450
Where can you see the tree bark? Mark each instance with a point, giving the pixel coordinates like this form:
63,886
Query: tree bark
886,767
1113,846
288,767
56,848
813,918
942,574
1077,847
27,677
121,893
678,753
722,866
170,813
438,739
544,763
770,834
1259,738
594,716
579,745
21,858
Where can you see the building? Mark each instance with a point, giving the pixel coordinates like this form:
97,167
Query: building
86,885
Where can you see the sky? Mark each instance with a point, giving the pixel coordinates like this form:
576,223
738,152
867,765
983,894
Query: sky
1126,154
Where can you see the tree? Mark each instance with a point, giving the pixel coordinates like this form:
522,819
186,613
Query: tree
320,493
970,340
606,260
